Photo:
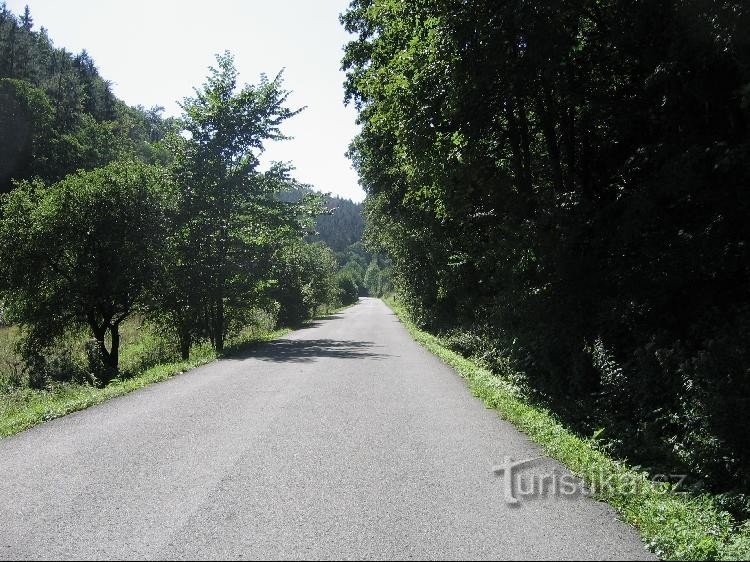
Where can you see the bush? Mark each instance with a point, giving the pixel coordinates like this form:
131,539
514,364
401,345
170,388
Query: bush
348,290
305,276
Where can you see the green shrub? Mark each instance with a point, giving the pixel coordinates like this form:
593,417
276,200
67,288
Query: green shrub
348,290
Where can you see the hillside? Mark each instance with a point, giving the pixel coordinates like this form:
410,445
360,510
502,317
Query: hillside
58,114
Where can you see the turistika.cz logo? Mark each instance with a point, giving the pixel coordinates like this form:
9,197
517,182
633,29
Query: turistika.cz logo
521,484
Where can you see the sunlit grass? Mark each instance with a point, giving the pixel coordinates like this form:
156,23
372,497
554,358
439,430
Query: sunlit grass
145,359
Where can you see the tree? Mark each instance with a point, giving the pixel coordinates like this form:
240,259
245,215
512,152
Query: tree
305,277
89,126
10,41
372,278
27,22
342,226
348,289
567,179
26,121
83,252
230,219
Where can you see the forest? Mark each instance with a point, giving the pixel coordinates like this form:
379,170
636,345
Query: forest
128,238
562,190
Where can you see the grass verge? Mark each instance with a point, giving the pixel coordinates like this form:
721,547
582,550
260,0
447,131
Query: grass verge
674,525
23,408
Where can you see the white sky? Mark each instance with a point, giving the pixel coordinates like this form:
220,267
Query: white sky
156,51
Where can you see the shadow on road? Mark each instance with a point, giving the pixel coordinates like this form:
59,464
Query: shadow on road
301,351
318,321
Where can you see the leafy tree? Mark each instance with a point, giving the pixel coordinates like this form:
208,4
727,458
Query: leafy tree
372,279
306,281
230,218
567,181
348,289
385,282
83,252
26,117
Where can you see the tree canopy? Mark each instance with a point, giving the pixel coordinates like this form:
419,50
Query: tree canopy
83,252
567,181
114,211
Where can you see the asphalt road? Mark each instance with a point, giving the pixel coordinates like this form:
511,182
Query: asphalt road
343,440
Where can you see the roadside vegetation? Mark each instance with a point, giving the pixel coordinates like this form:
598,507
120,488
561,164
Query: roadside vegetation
561,190
675,524
70,385
134,246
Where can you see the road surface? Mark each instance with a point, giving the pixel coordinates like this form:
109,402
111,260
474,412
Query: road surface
343,440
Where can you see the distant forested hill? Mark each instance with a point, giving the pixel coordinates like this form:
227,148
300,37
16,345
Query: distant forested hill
343,227
339,229
57,114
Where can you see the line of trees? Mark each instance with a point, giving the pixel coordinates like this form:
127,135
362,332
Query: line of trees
364,273
110,212
361,273
565,184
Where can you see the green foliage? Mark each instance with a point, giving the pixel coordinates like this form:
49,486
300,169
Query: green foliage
347,286
565,182
339,226
169,218
377,279
82,252
372,279
58,115
193,245
342,226
26,117
230,221
306,281
358,262
675,526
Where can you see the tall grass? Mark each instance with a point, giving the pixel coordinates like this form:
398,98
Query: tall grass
145,358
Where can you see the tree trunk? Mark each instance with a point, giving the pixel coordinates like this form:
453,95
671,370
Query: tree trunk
109,357
185,342
114,352
219,326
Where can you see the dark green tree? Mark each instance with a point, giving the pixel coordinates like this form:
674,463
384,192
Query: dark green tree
567,180
26,117
83,252
305,281
89,128
27,22
347,286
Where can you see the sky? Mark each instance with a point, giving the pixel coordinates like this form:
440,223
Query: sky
155,51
